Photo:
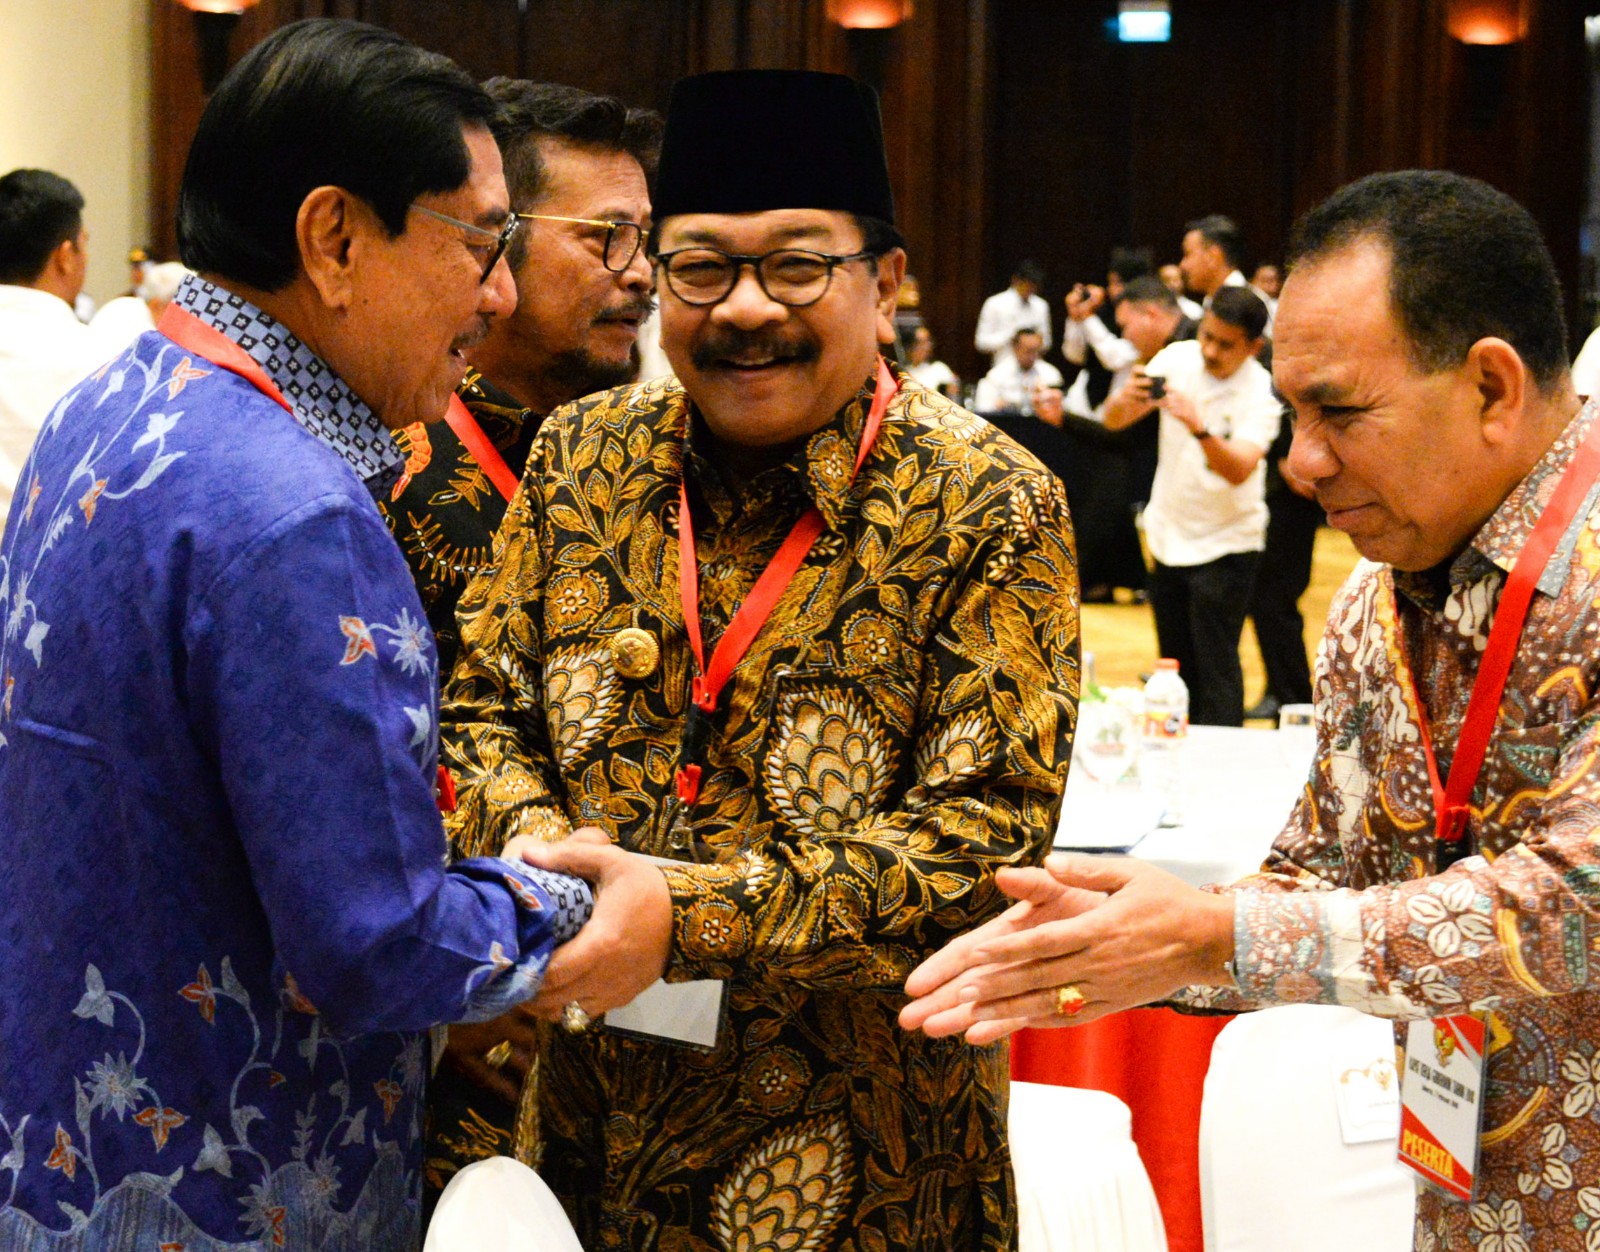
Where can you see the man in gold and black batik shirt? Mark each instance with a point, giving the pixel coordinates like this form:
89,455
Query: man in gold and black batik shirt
854,707
576,165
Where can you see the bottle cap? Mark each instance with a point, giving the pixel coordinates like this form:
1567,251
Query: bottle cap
1168,662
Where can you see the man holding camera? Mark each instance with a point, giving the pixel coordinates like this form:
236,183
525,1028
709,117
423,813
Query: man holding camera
1207,517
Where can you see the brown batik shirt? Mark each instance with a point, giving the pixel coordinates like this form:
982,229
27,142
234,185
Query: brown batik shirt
899,730
1348,909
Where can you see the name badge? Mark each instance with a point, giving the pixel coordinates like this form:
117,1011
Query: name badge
1441,1102
678,1012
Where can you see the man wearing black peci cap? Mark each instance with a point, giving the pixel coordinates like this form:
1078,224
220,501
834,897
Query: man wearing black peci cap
869,711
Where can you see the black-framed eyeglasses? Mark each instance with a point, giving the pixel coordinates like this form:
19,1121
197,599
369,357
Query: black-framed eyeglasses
790,276
623,239
495,241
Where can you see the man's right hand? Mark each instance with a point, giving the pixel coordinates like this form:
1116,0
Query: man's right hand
473,1044
1083,300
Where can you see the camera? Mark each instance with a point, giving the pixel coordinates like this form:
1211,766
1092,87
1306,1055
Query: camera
1158,386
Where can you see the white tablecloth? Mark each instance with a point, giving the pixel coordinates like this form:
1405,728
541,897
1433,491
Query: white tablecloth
1238,789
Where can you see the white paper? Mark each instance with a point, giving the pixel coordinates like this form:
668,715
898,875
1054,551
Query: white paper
683,1012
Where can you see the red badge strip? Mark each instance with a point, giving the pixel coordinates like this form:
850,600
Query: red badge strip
764,596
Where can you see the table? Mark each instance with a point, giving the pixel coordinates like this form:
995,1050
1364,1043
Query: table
1238,789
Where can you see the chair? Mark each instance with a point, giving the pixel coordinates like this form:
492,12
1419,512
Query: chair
1081,1186
1275,1170
499,1205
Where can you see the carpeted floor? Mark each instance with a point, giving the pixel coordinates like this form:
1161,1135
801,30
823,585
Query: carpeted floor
1123,638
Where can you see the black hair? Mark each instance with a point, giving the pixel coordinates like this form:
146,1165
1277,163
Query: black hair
1224,232
322,102
1148,289
1241,307
38,211
526,112
1130,263
1029,271
1466,262
1026,330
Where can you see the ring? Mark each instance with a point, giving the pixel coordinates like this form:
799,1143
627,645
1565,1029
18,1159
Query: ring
1069,1000
498,1055
575,1021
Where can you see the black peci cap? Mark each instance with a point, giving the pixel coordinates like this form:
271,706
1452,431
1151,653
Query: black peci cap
744,141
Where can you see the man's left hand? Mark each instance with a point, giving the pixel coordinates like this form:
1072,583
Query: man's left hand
624,946
1151,935
1182,408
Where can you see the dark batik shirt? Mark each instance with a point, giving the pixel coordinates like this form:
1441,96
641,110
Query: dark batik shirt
444,511
899,730
225,917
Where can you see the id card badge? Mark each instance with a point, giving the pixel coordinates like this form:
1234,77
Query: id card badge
1441,1102
684,1013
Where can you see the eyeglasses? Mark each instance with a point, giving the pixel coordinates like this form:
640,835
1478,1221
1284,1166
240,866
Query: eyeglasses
622,238
790,276
496,240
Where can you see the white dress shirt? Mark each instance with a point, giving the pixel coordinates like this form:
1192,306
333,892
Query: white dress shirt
1007,386
1196,515
1003,315
1114,352
44,350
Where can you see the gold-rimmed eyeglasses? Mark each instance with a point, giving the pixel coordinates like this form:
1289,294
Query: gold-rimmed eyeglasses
623,239
495,241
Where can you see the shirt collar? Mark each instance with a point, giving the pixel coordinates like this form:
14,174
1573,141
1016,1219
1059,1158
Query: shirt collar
319,399
823,467
1500,540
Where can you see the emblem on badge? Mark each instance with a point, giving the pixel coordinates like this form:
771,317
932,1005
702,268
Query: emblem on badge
635,652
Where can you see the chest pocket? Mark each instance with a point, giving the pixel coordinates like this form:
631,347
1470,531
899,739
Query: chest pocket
835,743
81,799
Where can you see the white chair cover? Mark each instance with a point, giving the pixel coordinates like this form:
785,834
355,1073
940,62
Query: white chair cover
1275,1171
1081,1186
499,1205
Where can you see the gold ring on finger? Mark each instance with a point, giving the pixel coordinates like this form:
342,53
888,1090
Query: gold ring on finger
1069,1000
573,1019
498,1055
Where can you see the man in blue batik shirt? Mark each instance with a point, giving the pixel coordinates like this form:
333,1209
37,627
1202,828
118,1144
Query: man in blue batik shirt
225,918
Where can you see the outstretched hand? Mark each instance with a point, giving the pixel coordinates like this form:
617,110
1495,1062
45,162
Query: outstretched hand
1121,931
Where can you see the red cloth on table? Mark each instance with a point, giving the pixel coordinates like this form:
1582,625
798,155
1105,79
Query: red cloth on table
1154,1060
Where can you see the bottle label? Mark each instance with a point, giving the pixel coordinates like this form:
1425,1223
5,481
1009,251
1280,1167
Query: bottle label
1171,725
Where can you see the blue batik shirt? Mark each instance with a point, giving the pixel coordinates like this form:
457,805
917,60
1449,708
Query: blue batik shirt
226,920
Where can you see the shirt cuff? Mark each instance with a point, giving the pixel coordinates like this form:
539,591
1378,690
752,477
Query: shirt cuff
551,908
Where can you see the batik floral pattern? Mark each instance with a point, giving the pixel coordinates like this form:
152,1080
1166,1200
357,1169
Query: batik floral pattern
899,729
1348,909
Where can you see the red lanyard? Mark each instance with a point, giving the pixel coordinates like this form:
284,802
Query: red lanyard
763,598
188,331
1450,801
477,444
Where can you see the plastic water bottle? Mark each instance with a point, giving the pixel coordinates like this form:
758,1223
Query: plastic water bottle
1163,734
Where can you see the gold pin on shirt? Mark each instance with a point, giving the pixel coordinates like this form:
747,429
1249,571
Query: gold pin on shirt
635,652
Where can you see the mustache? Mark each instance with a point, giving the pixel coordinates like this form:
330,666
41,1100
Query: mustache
639,308
727,342
473,337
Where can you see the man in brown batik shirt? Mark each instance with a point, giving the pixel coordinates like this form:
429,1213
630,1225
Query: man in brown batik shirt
899,727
